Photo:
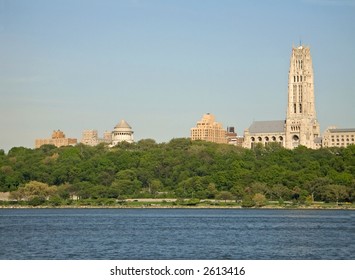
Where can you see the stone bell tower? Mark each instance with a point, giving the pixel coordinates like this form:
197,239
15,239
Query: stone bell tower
302,127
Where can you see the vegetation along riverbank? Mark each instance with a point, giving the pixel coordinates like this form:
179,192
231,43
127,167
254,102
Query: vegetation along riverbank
180,173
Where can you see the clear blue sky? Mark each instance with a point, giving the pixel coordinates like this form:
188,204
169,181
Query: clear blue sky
161,64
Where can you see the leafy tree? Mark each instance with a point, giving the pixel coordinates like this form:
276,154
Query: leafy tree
335,193
33,190
248,201
315,186
211,191
225,195
259,200
154,186
281,192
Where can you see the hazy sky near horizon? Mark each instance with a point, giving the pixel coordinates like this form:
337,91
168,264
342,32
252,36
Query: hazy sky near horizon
160,65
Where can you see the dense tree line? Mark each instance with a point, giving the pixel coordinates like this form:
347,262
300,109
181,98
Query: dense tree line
181,169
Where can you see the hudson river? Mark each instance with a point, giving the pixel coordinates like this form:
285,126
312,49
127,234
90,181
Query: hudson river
176,234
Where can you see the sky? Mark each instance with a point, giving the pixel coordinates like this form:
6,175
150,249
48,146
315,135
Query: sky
161,64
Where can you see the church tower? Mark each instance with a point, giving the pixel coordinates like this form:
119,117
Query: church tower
302,127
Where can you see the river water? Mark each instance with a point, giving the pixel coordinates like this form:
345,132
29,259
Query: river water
117,234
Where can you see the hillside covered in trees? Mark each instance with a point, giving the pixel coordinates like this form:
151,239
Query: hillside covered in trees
178,169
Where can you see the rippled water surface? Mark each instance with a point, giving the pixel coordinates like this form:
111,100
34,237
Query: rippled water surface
176,234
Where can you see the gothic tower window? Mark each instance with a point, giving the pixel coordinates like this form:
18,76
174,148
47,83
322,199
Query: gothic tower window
294,92
300,95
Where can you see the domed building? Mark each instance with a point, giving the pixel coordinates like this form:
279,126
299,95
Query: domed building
122,132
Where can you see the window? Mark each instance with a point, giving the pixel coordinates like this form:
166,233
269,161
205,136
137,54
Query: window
300,96
294,93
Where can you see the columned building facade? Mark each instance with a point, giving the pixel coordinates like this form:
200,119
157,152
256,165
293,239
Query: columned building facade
122,132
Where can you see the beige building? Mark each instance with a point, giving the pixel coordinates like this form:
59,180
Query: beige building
338,137
58,139
91,138
301,126
208,129
121,132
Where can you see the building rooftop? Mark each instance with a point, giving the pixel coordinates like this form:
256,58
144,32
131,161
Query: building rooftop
123,126
267,126
341,130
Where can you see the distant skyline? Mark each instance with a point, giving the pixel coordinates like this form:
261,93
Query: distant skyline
160,65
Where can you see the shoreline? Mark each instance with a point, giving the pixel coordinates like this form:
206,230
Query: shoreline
175,207
173,203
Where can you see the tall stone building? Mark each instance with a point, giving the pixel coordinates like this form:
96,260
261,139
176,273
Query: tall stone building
208,129
301,126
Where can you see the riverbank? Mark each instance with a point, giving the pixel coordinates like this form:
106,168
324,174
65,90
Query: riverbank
157,203
174,204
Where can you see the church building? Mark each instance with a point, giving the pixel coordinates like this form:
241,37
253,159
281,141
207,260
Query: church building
301,126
